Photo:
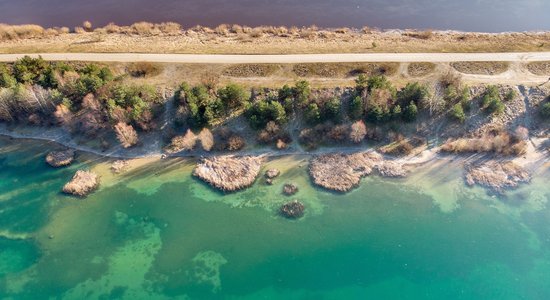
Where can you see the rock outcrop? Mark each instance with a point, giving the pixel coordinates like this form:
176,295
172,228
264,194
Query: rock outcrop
229,173
82,183
60,158
497,176
292,210
290,189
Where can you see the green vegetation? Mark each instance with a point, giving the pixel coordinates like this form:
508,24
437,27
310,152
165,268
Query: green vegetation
233,96
264,111
491,101
545,110
457,113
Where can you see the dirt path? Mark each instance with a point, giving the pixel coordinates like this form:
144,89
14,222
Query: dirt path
291,58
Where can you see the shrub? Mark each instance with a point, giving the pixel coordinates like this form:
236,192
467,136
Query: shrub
87,25
312,114
6,78
545,110
491,101
29,70
358,132
233,96
235,143
144,69
379,82
331,109
263,111
302,92
510,95
126,135
412,92
357,108
457,113
410,113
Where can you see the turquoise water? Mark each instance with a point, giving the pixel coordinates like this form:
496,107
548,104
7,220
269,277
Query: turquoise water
155,232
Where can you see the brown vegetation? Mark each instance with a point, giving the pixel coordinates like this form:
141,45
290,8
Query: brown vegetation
126,135
481,67
497,176
251,70
420,69
82,183
541,68
358,132
496,141
144,69
229,173
339,172
182,142
206,138
334,70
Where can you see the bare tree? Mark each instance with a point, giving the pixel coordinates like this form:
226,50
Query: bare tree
207,139
126,135
183,143
358,131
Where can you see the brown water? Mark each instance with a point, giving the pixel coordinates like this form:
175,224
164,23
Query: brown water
471,15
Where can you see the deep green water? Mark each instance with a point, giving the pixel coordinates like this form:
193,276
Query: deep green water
160,234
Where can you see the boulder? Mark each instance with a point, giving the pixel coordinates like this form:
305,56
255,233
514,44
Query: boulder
292,210
290,189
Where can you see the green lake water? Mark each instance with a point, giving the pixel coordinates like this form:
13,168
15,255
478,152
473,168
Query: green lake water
155,232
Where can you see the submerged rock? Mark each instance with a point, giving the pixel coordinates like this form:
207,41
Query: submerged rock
497,176
272,173
292,210
60,158
340,172
229,173
290,189
82,183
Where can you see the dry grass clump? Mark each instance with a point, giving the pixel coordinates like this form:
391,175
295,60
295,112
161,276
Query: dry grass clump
497,176
180,143
251,70
541,68
420,69
481,67
332,70
144,69
496,141
423,35
13,32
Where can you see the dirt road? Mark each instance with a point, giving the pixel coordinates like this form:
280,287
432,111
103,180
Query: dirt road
291,58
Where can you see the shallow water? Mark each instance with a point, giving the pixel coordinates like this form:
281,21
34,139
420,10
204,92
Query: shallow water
471,15
157,233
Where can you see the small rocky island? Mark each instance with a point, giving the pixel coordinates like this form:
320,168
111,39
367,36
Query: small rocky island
343,172
497,176
290,189
62,158
292,210
82,183
229,173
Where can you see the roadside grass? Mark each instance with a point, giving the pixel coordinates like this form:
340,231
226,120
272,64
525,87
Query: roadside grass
340,70
420,69
251,70
481,67
541,68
